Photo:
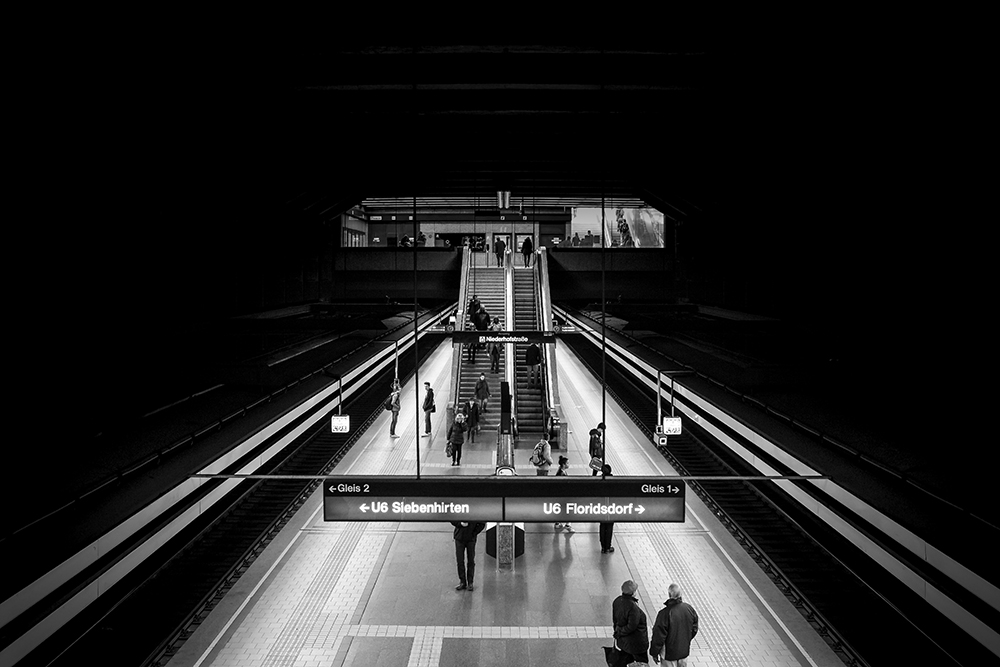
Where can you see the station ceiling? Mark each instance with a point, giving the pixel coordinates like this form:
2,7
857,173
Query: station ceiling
555,125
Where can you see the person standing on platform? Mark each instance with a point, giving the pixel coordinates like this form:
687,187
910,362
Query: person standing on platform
526,249
500,249
606,530
482,393
562,472
428,407
465,549
533,360
541,456
394,406
596,449
629,621
456,438
675,626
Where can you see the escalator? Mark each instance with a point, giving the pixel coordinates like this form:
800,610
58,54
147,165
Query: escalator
530,407
487,283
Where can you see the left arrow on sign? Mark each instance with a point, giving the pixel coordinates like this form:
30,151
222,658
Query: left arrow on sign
364,508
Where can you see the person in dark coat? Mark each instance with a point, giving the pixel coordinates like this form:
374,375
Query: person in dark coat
533,360
606,530
629,622
675,626
482,393
465,549
499,250
394,402
473,308
456,438
526,249
472,419
596,447
495,347
428,407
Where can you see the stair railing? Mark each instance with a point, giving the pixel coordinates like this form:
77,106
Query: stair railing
508,371
550,385
456,350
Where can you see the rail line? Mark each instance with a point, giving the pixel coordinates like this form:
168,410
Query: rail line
163,602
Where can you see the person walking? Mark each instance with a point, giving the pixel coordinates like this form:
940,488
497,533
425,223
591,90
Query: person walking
428,407
596,449
562,472
394,406
500,249
533,360
541,455
472,420
465,550
482,393
495,326
675,626
456,438
526,249
629,622
606,530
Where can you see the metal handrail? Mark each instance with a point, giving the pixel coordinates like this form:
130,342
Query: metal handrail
550,383
456,350
156,457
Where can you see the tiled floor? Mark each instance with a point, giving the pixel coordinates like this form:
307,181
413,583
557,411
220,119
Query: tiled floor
383,593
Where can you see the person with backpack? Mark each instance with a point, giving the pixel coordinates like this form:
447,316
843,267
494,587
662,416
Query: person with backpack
456,438
563,467
541,456
596,449
393,404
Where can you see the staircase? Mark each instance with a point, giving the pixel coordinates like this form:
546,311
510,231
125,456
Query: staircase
488,285
530,419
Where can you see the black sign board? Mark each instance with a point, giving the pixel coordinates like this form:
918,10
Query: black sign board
522,337
534,499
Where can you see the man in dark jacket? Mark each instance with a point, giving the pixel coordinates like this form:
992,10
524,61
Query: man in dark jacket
482,393
629,625
499,249
428,407
465,547
533,360
676,625
456,438
526,249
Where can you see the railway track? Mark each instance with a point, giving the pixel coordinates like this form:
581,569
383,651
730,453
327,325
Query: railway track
822,575
160,605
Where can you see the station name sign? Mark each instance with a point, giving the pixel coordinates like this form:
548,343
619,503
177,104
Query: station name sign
471,337
503,499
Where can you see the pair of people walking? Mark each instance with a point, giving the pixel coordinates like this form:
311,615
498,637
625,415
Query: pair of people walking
675,626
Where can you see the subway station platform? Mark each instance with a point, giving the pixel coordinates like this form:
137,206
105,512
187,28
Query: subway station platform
383,593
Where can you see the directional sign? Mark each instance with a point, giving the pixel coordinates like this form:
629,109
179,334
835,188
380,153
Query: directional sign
470,337
340,424
594,508
506,499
